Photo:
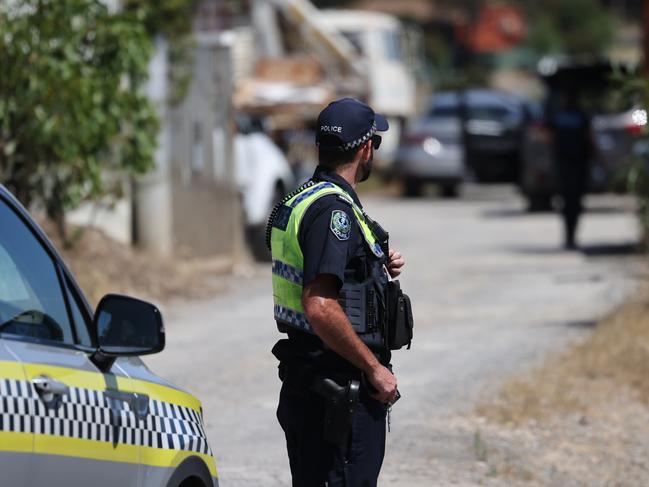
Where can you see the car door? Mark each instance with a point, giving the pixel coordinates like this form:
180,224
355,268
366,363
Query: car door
16,441
82,424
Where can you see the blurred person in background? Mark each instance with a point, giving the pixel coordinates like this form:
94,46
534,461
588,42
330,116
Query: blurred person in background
572,149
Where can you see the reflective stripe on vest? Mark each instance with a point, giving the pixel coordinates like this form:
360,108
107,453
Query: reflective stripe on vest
288,260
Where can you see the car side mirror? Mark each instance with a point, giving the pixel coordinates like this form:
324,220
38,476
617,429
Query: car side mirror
126,326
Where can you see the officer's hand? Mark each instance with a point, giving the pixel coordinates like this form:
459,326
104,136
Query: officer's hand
385,384
395,263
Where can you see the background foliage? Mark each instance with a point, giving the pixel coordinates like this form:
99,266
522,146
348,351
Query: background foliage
574,27
72,107
633,90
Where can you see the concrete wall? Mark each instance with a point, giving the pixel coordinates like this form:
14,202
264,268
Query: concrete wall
205,211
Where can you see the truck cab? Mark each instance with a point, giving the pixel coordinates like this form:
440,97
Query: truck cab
380,43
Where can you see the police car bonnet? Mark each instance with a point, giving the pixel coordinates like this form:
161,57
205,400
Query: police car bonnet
346,124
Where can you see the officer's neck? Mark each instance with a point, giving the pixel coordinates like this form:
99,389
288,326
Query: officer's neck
350,173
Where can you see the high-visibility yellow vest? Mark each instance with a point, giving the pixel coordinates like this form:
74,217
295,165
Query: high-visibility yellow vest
288,260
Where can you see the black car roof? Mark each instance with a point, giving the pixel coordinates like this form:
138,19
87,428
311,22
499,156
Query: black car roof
477,97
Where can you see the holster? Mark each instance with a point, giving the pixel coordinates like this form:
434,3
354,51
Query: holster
340,401
341,404
400,321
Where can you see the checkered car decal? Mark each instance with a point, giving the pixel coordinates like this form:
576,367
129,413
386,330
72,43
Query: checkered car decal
99,416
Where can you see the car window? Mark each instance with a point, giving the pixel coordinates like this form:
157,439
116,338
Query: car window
81,321
444,111
392,43
488,112
32,304
355,39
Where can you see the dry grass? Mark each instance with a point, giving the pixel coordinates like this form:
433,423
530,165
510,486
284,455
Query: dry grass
614,358
104,266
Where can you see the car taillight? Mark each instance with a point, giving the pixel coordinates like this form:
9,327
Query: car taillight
634,129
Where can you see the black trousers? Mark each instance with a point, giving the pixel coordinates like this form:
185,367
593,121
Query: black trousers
315,462
573,177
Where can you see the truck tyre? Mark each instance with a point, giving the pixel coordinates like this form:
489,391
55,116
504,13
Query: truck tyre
449,190
256,237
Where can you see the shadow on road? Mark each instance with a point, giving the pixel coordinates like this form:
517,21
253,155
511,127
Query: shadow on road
506,213
624,249
575,324
510,212
537,250
581,324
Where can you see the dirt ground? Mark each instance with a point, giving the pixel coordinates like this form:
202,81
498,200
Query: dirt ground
103,265
580,419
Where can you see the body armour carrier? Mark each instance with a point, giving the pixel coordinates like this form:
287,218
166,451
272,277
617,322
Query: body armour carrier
364,300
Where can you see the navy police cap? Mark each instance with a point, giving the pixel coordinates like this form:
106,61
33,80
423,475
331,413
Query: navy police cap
347,123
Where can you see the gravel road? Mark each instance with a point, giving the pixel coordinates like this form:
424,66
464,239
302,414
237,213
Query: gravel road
492,293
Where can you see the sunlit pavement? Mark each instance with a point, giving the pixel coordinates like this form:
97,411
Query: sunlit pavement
492,292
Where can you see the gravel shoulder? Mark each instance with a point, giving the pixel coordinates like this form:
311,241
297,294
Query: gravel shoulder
579,419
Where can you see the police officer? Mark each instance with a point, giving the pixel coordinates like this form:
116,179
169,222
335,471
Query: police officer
329,277
573,149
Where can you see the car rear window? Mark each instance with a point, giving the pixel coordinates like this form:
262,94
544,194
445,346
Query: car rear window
444,111
481,112
488,112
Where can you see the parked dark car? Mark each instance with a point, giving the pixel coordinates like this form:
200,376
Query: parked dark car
495,122
431,151
435,149
614,129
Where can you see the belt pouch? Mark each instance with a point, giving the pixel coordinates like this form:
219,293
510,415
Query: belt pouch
400,319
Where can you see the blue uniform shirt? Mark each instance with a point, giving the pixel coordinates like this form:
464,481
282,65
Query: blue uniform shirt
326,250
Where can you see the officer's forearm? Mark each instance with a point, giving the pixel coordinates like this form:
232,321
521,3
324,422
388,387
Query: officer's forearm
335,330
330,323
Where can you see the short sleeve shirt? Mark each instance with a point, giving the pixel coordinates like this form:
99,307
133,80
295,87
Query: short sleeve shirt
330,237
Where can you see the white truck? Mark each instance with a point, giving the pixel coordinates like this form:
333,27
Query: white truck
357,53
263,177
363,54
379,42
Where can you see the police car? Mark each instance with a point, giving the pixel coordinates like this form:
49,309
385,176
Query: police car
77,405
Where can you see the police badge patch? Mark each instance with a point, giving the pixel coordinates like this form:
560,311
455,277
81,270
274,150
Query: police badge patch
340,225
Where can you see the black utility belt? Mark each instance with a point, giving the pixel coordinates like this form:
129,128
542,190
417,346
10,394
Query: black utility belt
381,317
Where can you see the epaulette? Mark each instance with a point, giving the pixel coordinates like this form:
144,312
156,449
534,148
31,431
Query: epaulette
346,199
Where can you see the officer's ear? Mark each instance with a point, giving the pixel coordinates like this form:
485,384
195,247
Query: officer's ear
366,151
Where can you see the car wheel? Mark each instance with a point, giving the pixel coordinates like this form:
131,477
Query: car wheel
256,235
411,188
449,190
191,473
